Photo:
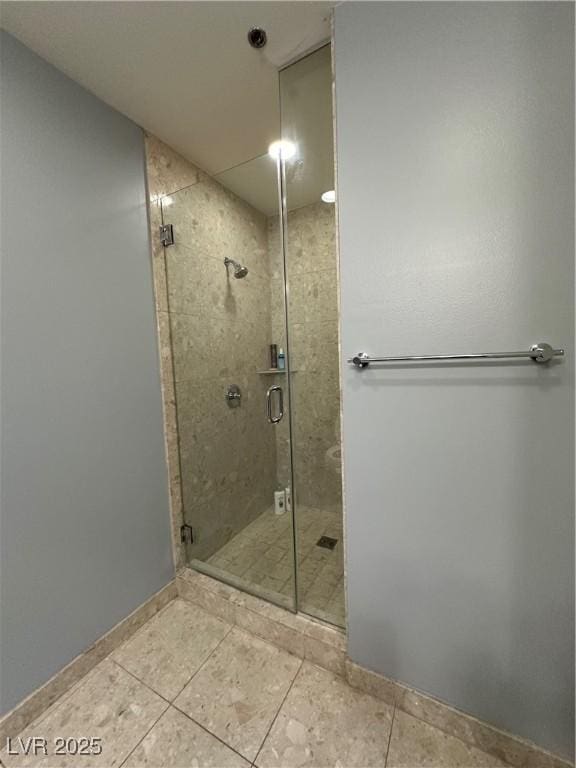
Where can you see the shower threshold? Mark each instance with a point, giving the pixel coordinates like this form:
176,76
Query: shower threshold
259,560
215,572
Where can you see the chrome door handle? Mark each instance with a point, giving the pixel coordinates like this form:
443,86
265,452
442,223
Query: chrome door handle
275,419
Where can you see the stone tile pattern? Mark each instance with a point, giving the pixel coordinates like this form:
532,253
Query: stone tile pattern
324,722
244,701
220,329
167,172
64,681
315,395
414,742
262,555
238,692
297,633
108,704
174,739
326,647
171,644
504,748
214,331
314,351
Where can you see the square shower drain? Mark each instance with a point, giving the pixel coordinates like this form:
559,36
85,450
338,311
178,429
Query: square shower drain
327,542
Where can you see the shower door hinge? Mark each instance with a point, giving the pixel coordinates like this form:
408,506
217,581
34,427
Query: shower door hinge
167,235
186,535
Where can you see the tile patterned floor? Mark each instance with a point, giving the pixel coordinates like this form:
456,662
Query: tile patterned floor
261,556
191,691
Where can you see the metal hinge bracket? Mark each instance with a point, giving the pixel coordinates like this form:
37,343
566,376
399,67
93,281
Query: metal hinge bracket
167,235
186,535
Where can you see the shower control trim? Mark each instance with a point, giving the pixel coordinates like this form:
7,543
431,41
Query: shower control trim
275,419
233,395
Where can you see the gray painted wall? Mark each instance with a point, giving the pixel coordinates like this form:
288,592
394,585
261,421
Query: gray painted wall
85,524
456,202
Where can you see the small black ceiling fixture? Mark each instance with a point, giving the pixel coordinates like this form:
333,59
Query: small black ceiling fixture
257,37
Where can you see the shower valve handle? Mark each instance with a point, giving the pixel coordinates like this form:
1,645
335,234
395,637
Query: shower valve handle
233,395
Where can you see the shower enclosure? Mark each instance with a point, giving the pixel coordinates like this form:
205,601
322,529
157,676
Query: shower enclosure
253,264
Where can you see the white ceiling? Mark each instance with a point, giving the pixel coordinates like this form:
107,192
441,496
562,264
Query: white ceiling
182,70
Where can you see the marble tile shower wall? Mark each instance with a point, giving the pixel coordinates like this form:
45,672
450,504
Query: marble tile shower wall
224,464
313,324
220,336
167,172
214,331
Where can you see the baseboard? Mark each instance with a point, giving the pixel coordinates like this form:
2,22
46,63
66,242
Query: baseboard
13,722
505,746
326,646
300,635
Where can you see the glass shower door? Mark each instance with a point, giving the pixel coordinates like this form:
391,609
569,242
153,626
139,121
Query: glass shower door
225,308
313,326
252,311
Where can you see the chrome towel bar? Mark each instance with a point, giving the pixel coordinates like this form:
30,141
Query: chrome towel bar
539,353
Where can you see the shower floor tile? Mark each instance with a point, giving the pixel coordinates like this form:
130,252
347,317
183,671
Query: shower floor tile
261,556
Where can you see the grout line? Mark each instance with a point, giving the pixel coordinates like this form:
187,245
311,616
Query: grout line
209,732
278,712
322,614
146,685
172,705
144,736
60,700
279,624
170,701
212,652
75,686
390,736
134,635
157,199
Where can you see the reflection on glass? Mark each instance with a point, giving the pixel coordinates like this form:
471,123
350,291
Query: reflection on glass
226,307
245,471
312,278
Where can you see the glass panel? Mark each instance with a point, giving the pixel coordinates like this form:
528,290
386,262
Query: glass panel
235,464
312,285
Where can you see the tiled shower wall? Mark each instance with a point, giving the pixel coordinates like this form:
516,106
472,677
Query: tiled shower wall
313,327
215,331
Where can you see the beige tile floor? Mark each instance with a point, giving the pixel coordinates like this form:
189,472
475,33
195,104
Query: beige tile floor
261,556
191,691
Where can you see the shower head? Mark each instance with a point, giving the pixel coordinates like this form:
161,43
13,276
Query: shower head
239,270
